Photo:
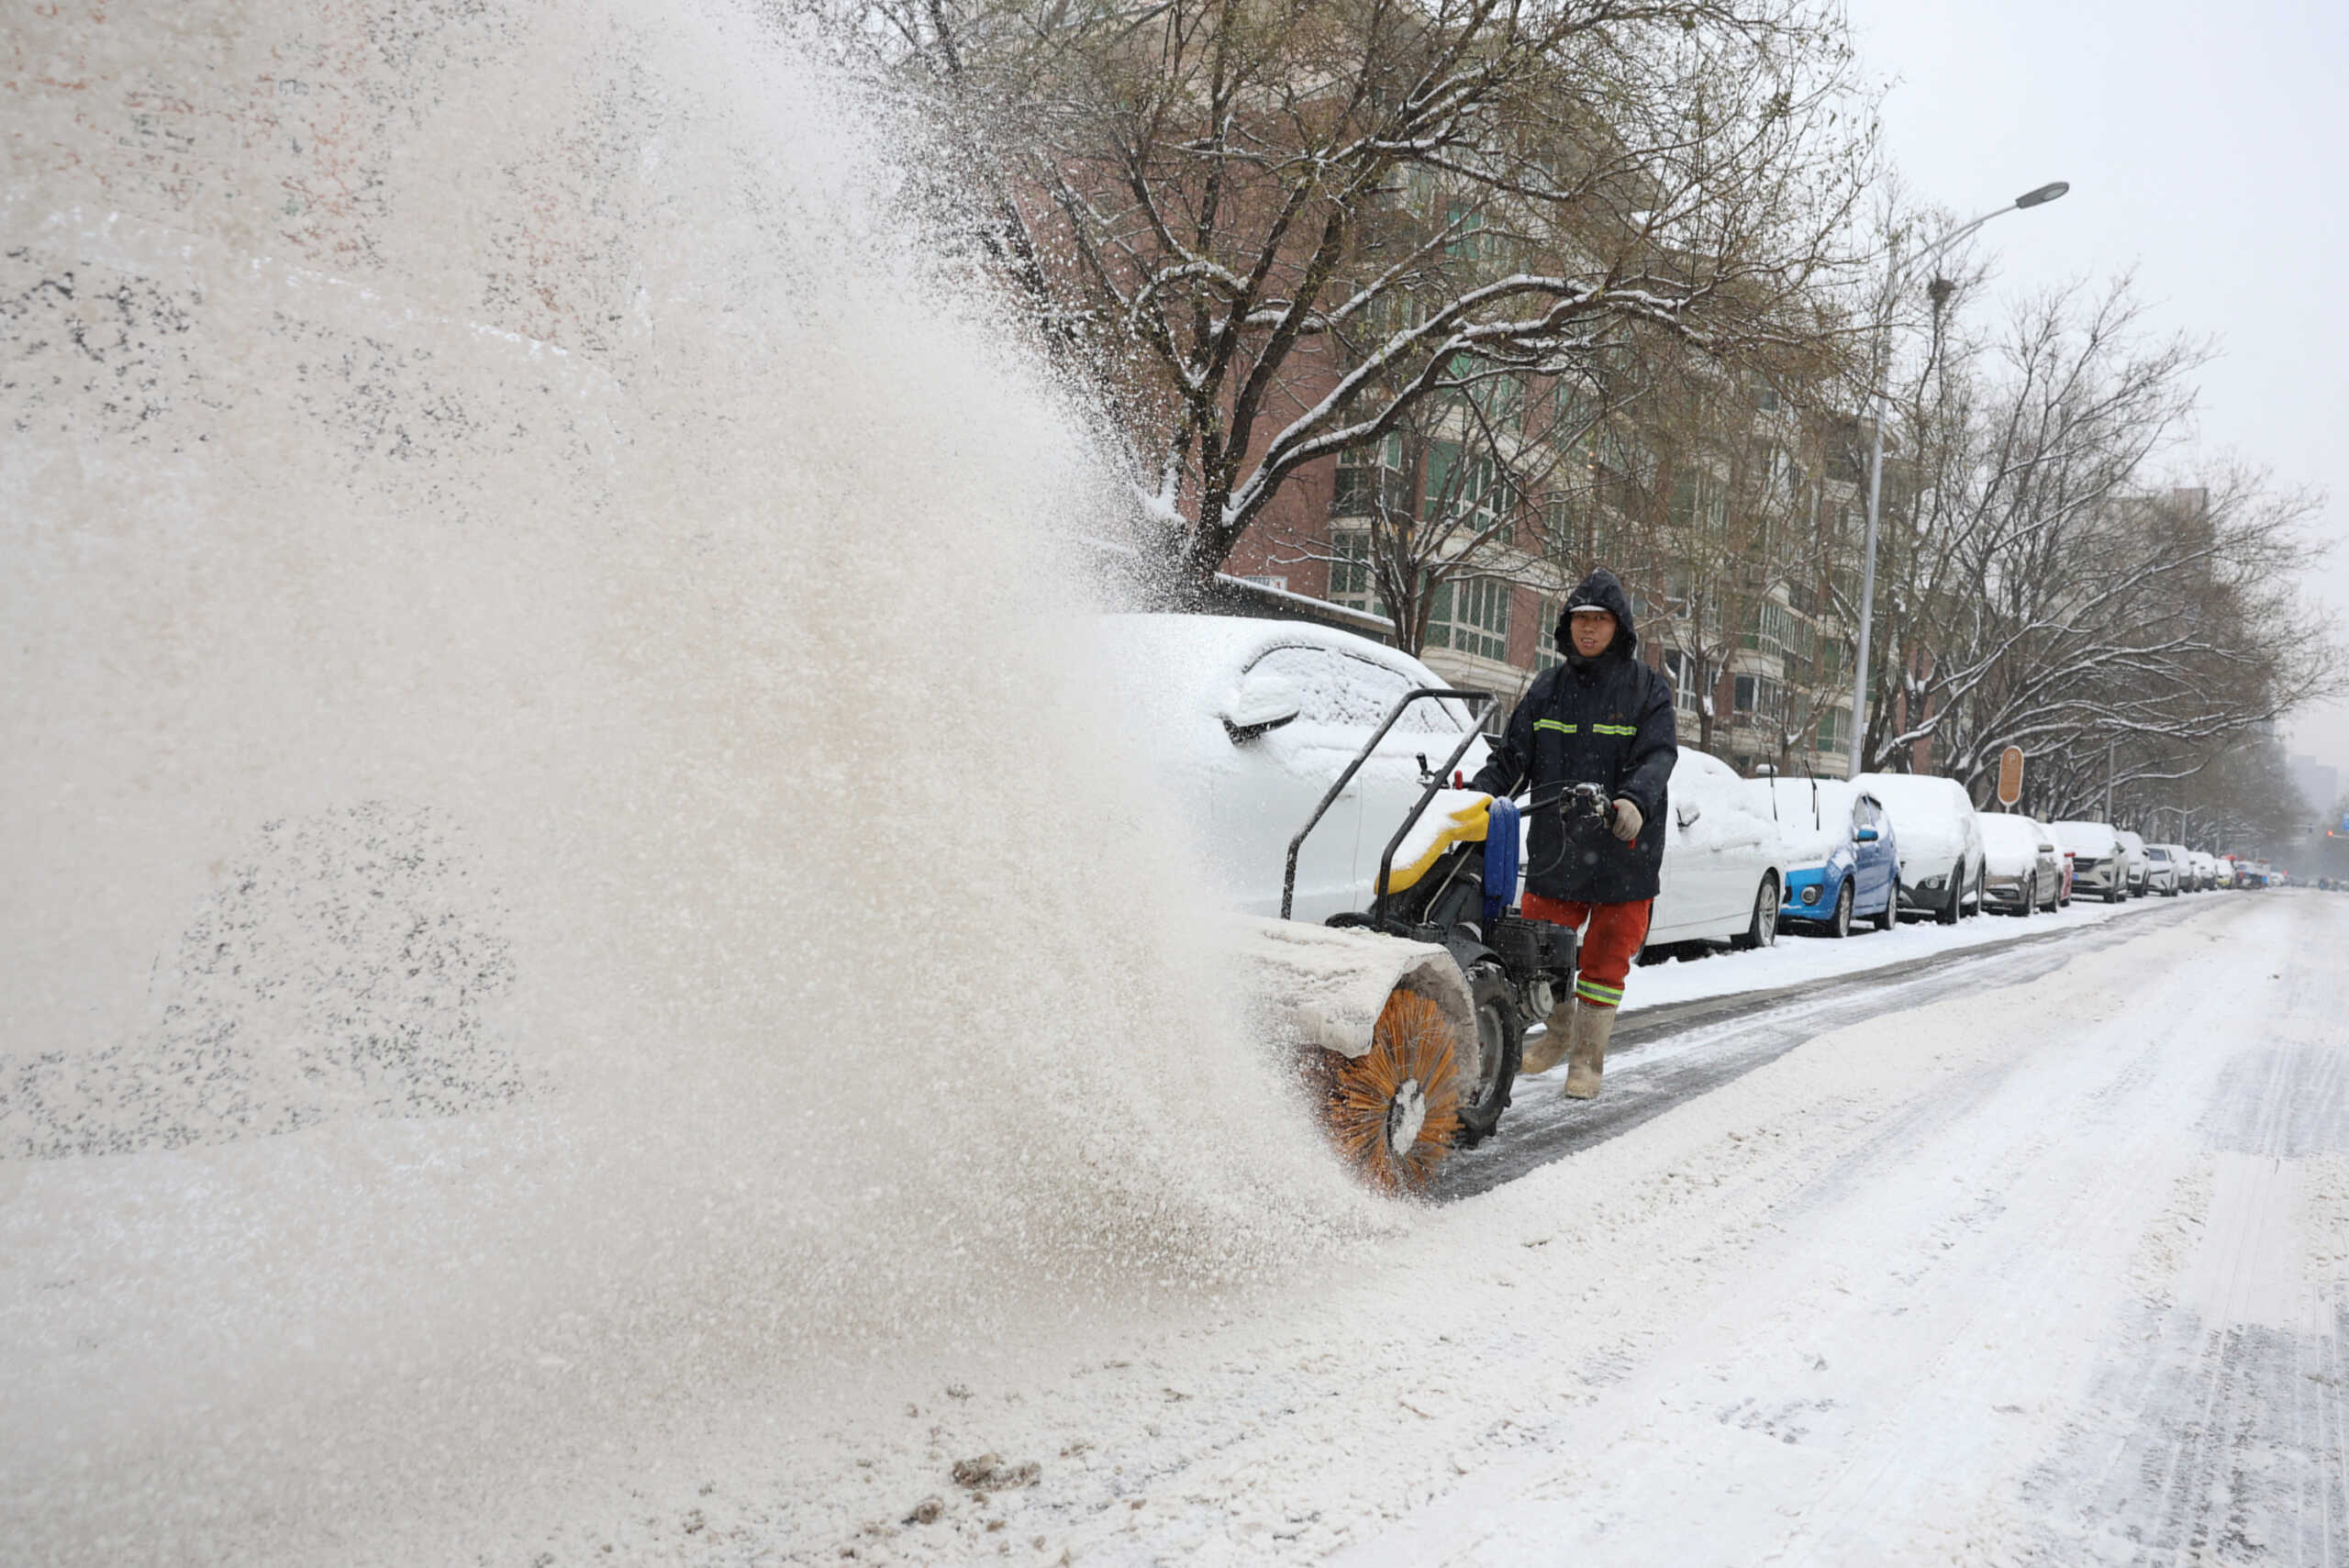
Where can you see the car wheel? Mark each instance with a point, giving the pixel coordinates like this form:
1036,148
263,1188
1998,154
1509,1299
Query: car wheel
1891,916
2030,899
1501,1047
1840,923
1762,931
1953,911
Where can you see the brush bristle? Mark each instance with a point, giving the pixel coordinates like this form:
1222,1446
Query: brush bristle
1411,1040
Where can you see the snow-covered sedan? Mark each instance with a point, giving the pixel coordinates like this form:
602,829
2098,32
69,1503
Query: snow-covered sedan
2022,867
1842,861
1940,848
1724,862
2166,870
2099,863
1248,722
2141,864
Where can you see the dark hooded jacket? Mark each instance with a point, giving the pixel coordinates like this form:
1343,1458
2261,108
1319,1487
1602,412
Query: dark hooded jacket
1606,721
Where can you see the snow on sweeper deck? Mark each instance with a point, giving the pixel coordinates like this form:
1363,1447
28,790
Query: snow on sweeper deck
1412,1013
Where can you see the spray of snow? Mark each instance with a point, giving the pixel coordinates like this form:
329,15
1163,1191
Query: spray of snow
562,864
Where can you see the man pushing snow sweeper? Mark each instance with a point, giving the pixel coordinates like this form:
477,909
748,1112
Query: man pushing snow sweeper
1594,739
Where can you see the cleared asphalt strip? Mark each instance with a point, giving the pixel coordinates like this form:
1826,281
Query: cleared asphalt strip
1663,1056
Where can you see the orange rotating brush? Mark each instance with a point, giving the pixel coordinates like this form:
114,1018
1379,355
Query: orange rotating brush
1393,1110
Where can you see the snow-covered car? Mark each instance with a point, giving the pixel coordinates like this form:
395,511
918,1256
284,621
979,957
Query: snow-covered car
2167,872
1724,862
2099,863
1247,723
2141,864
1842,861
2206,875
1940,848
2023,869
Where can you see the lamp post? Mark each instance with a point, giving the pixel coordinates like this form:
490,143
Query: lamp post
1881,395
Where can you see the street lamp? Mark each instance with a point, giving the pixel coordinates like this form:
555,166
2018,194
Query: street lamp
1881,395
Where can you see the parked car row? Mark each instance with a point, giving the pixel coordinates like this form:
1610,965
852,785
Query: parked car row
1250,722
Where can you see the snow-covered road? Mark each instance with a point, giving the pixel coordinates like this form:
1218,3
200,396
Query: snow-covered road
2033,1253
2054,1272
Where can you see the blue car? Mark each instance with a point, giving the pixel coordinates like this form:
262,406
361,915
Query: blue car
1841,863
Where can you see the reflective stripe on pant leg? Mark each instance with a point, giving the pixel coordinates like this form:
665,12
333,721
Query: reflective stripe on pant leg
1616,932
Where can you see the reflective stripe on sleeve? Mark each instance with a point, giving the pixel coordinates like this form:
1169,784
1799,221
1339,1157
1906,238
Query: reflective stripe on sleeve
1560,728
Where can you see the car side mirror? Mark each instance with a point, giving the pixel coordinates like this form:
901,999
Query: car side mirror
1687,813
1261,704
1864,836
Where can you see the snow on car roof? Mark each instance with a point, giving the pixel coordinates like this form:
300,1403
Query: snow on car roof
2005,830
2095,839
1887,787
1203,653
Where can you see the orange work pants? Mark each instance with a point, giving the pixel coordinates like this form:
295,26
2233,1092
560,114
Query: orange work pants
1616,933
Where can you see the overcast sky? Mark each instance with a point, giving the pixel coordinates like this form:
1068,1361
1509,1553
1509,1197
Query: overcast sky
2204,142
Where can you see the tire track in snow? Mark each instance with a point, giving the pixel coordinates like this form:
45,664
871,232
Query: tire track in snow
2221,1438
1970,1243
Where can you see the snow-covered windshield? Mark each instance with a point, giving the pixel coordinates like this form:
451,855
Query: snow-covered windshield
2092,841
1814,816
1347,691
2009,843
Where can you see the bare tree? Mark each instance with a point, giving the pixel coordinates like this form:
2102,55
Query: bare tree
1278,229
2042,588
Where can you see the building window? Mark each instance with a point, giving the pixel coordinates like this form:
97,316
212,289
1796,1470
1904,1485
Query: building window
1470,615
1261,581
1681,671
1467,237
1830,726
1370,479
1351,582
1760,698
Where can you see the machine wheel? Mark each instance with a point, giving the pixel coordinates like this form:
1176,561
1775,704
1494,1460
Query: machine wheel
1890,919
1500,1047
1394,1111
1762,931
1840,923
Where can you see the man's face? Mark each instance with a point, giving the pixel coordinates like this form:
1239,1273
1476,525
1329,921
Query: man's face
1592,631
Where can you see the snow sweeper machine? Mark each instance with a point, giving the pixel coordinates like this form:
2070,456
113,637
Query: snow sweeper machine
1412,1013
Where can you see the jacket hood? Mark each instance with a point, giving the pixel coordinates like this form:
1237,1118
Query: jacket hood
1600,590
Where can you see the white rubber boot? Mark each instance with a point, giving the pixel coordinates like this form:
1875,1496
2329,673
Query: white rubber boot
1540,1055
1586,1049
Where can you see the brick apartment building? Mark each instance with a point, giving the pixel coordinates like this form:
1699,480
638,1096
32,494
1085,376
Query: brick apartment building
1764,644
